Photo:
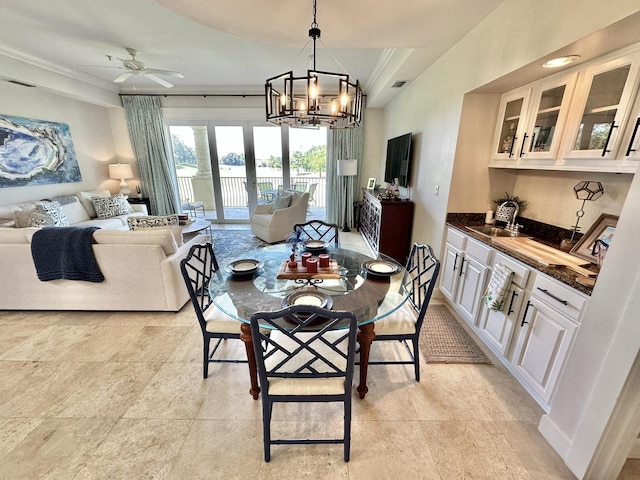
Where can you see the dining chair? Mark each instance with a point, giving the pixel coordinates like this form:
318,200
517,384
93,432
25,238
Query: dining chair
265,191
405,323
197,268
318,230
308,357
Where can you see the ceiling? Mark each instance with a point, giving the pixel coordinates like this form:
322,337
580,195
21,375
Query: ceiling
232,46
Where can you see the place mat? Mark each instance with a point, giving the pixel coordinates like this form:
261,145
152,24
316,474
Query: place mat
444,340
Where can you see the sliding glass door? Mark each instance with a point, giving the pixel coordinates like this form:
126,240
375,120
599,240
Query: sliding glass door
231,168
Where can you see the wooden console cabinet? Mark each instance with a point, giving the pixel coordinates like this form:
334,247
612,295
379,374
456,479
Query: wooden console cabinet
386,225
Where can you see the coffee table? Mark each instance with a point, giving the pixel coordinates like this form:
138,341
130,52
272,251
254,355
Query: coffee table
197,225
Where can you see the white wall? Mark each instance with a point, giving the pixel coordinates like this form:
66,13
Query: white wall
432,107
90,132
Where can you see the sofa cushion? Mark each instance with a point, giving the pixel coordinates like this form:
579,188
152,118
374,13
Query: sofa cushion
261,219
15,235
167,222
161,237
280,202
111,206
7,212
53,210
75,210
21,217
87,203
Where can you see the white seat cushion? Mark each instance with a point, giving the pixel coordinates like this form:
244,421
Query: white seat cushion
398,322
220,322
262,219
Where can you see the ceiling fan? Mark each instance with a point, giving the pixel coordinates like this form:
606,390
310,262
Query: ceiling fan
136,67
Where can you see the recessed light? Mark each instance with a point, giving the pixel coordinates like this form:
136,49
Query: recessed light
561,61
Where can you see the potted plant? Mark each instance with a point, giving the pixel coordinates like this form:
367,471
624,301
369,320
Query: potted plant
506,213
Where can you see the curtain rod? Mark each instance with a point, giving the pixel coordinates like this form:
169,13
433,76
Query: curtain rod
193,94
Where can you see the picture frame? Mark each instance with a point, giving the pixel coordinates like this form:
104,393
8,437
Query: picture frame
371,184
602,229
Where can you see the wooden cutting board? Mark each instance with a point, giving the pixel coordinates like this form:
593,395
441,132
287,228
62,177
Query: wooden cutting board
545,254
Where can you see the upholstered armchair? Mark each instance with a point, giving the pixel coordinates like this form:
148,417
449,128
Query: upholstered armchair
273,224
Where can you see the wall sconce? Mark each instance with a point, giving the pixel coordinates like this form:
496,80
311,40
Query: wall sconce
121,171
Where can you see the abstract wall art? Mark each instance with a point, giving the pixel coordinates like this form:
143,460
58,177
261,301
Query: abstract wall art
36,152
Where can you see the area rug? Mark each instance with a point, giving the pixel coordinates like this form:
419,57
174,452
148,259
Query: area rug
230,244
444,340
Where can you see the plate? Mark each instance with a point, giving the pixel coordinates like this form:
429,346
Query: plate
381,268
315,245
245,266
308,297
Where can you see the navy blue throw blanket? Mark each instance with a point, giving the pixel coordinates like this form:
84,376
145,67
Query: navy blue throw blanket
65,252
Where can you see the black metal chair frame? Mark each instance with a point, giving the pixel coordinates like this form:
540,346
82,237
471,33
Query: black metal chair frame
318,230
423,269
314,323
197,269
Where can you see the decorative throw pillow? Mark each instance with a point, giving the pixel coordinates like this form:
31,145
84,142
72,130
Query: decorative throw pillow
280,202
55,211
168,222
110,207
36,219
87,202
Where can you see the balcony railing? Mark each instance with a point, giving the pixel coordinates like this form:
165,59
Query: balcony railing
234,192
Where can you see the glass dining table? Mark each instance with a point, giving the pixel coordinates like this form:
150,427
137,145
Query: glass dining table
260,281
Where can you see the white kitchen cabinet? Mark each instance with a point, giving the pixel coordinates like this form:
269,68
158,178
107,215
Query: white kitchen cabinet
496,328
600,112
578,120
533,134
511,124
546,333
464,273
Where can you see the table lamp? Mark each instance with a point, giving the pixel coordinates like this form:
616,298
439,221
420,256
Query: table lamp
585,190
347,168
121,171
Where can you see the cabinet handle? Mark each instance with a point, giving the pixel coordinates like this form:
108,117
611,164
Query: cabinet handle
461,267
513,142
524,140
545,291
633,137
526,310
455,263
606,144
513,297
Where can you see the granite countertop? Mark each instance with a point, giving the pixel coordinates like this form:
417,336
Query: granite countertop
537,232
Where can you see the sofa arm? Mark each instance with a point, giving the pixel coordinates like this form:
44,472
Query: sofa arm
262,208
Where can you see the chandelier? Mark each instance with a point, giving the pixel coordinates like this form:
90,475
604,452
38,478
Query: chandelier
320,99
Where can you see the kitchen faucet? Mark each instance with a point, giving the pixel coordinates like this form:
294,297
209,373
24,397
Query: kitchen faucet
512,225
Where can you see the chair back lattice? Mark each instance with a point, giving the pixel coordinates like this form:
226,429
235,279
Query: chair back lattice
299,345
318,230
197,268
423,268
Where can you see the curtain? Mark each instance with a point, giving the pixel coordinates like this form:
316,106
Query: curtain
150,147
343,144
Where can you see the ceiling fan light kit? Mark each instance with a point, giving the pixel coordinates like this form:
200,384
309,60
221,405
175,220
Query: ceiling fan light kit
318,99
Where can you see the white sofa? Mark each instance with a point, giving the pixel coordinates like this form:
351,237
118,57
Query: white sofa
141,270
78,209
276,226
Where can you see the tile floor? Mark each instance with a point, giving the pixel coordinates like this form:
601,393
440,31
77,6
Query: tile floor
117,395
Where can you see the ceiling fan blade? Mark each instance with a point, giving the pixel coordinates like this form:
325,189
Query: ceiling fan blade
165,72
122,77
159,80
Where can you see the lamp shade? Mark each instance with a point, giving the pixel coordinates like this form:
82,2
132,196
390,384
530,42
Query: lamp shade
120,171
347,168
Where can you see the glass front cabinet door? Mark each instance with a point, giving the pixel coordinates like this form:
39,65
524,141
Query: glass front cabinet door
600,115
531,122
511,125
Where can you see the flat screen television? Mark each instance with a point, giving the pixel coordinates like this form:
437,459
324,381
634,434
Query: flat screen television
398,160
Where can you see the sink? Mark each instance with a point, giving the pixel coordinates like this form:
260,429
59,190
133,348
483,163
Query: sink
489,231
